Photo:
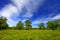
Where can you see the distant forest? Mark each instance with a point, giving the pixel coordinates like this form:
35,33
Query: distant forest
51,25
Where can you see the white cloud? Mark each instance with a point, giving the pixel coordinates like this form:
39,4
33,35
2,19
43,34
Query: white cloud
32,6
39,21
11,22
8,11
28,15
46,19
14,9
56,17
19,3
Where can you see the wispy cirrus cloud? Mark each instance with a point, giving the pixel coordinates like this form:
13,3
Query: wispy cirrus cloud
8,11
14,9
45,20
56,17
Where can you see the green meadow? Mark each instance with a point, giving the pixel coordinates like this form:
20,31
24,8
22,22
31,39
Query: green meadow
29,35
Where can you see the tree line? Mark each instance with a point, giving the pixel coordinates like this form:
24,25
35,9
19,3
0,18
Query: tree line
53,25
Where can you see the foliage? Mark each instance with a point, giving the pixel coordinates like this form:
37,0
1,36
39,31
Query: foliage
53,24
28,24
41,26
58,24
3,23
20,25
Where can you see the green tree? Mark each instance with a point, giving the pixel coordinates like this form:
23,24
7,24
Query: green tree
57,24
52,25
3,23
41,26
28,24
20,25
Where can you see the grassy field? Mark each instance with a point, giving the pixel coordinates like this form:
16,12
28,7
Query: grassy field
29,35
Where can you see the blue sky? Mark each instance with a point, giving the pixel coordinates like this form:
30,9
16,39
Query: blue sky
35,10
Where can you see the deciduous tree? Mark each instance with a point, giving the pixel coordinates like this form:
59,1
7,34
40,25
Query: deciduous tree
3,23
41,26
28,24
20,25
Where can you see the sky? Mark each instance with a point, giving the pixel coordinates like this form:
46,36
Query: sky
36,11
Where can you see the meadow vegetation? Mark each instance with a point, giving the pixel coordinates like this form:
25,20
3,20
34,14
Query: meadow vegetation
26,32
29,35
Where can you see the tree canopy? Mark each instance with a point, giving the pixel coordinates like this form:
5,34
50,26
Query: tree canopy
41,26
28,24
3,23
19,25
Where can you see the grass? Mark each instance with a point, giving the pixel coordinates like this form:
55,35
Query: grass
29,35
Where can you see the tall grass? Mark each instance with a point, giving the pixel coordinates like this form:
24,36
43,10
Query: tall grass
29,35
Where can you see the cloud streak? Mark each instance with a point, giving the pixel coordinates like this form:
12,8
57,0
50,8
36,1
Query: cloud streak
45,20
14,9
